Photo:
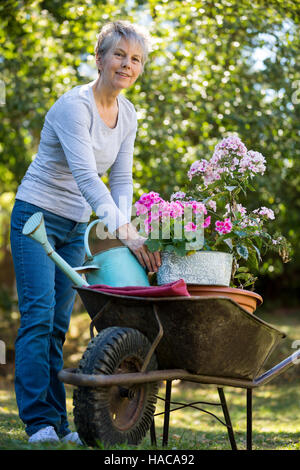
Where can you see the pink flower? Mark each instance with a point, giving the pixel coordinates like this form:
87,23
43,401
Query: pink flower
230,157
199,166
190,227
206,222
164,209
154,215
178,195
148,199
197,207
212,205
229,145
140,208
265,211
239,208
253,162
250,222
176,210
223,227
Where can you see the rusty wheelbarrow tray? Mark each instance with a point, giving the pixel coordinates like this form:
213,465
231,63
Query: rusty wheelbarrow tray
204,340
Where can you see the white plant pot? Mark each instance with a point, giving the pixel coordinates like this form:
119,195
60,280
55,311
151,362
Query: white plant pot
210,268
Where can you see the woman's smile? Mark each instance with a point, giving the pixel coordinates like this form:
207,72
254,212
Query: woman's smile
123,74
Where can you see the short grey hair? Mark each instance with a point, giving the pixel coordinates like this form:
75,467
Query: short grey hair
113,32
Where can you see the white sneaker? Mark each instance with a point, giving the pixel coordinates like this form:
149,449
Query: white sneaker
46,434
73,438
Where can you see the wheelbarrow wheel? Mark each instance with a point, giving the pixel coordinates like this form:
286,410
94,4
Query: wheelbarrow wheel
115,414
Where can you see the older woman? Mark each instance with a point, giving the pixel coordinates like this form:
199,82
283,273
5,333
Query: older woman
89,129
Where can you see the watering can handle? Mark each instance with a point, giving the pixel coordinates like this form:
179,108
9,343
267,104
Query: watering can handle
86,238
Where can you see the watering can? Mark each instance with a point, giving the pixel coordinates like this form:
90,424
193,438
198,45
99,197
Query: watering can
116,267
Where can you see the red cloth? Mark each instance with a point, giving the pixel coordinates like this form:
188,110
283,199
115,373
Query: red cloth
173,289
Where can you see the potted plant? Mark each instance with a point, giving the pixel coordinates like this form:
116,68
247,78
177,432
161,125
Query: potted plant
176,228
233,235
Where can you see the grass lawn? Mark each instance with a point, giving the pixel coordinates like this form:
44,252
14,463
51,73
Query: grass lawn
276,407
276,420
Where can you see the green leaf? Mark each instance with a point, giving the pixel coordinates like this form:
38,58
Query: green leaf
169,248
228,242
223,238
249,186
240,233
257,252
258,242
244,276
153,245
243,269
180,250
242,251
250,282
252,260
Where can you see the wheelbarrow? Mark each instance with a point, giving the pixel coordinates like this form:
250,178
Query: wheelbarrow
142,342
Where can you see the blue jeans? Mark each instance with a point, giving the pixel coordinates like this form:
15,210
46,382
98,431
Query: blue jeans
46,300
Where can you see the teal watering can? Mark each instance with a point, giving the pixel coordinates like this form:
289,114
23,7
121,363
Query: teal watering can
116,267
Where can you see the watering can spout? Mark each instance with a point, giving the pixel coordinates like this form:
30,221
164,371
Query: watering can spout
35,229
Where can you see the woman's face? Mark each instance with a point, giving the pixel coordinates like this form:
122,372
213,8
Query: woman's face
121,65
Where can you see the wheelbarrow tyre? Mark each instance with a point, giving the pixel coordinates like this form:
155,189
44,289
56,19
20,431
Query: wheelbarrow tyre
103,416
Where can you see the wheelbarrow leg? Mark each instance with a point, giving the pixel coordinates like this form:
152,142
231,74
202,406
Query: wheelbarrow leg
167,412
227,419
249,419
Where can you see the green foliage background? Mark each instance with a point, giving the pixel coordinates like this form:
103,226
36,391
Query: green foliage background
216,67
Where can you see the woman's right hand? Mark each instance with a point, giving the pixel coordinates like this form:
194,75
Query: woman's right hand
136,243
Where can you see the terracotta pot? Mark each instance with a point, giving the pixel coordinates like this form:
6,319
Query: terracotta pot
245,298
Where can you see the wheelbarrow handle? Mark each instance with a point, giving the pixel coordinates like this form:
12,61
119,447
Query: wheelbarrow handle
288,362
86,238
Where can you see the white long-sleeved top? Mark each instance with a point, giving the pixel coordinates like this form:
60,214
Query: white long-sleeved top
76,148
